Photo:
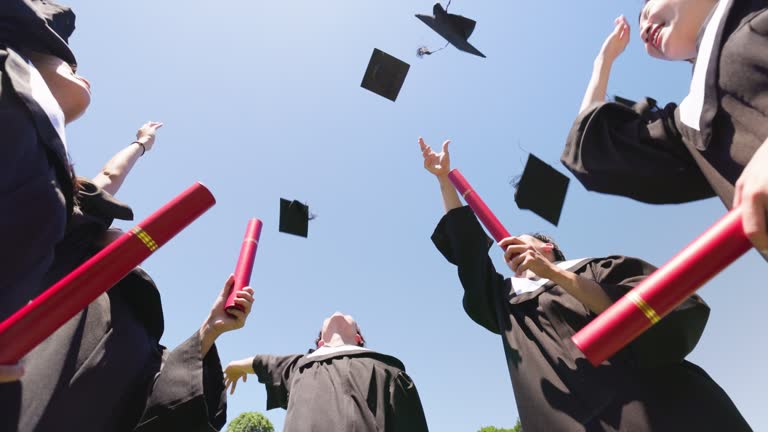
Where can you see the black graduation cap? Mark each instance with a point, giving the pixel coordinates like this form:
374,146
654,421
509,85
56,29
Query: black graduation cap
385,74
294,217
38,25
98,203
456,29
542,190
623,101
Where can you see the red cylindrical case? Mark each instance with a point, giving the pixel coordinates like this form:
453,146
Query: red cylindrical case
38,319
244,265
487,218
664,289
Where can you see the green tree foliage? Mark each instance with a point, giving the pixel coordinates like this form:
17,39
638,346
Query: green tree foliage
517,428
250,422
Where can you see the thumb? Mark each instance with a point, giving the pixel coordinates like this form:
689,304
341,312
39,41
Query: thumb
228,286
445,146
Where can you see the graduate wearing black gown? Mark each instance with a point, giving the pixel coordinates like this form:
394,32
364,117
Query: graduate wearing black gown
105,369
647,387
36,185
339,387
699,149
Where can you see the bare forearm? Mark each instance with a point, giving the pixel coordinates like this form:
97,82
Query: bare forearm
246,365
208,337
450,196
598,84
587,291
115,171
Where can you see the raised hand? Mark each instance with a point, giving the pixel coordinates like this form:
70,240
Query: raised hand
751,194
617,41
438,164
220,321
146,134
521,256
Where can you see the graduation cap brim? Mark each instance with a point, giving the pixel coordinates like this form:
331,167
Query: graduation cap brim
385,74
624,101
97,202
294,217
38,26
542,190
450,34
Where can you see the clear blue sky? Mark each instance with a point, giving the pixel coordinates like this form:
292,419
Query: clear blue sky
261,100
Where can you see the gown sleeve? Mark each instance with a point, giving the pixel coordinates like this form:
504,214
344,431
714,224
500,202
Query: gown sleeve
188,391
406,413
462,241
275,373
670,340
634,152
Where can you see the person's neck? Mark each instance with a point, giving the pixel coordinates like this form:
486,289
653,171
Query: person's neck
337,340
531,275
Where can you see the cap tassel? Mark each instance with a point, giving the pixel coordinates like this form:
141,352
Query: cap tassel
424,50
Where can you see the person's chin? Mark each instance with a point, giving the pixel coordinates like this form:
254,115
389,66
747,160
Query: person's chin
654,52
76,110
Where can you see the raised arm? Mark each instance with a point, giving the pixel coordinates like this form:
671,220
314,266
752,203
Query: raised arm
220,321
439,164
612,47
521,257
114,172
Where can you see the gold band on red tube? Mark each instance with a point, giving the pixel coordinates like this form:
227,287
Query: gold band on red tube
466,192
145,238
641,304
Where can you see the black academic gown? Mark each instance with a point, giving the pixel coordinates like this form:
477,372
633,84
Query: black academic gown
33,181
645,387
351,391
652,155
35,176
105,370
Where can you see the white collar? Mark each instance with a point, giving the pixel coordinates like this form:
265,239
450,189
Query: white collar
524,285
325,350
43,96
693,104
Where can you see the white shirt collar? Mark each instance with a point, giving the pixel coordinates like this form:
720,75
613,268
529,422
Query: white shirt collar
325,350
692,106
43,96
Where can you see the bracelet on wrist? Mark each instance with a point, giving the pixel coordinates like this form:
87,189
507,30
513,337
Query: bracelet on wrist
143,148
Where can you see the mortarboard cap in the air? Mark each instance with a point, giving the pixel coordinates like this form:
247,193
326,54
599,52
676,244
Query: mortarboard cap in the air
385,75
542,190
456,29
294,217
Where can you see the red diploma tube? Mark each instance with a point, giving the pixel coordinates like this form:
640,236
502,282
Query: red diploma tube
664,289
245,262
38,319
488,219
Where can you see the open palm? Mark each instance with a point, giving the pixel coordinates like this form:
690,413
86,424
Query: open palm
438,164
